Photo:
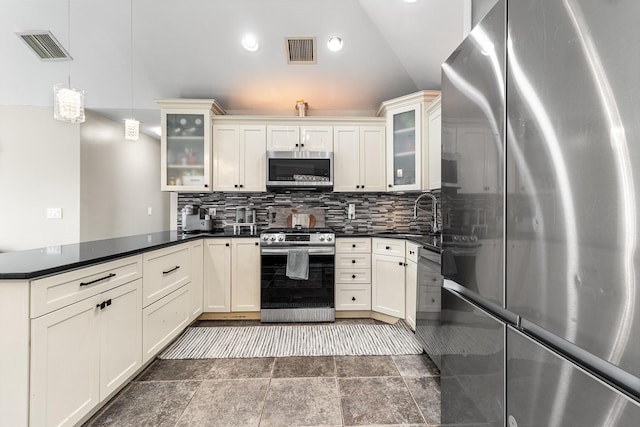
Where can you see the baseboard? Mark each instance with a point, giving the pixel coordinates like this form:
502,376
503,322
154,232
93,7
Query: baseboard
236,315
255,315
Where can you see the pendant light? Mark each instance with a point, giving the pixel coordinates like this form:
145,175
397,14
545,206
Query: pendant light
68,105
131,126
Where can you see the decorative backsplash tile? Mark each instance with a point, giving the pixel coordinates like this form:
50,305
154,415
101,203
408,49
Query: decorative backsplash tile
374,211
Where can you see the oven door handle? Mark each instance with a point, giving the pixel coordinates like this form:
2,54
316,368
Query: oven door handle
285,251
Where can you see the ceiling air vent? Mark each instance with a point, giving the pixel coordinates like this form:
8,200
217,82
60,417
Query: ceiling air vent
301,50
45,45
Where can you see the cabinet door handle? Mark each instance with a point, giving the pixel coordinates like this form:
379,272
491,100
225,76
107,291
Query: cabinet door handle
357,186
353,298
226,244
353,276
164,273
257,244
353,246
387,247
296,145
390,185
353,261
401,263
108,276
206,185
301,145
241,186
108,302
362,186
235,185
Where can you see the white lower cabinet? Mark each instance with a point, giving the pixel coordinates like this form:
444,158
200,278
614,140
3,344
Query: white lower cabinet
411,283
197,266
245,274
164,320
353,273
217,275
232,275
387,285
411,293
83,352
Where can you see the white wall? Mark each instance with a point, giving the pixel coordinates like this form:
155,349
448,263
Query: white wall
39,169
120,180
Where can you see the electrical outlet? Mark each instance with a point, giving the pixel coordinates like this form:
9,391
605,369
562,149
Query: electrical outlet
54,250
149,210
54,213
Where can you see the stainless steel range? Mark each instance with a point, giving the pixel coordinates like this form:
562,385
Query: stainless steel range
285,296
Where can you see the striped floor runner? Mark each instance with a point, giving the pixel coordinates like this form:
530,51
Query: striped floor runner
293,340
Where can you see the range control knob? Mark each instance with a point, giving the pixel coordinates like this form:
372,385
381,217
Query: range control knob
329,238
265,237
321,238
280,238
272,238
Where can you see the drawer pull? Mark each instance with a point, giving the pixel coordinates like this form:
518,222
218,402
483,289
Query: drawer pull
353,298
411,252
401,263
353,246
353,276
164,273
387,247
108,276
353,261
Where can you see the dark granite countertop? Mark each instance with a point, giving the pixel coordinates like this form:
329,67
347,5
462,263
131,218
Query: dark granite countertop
40,262
34,263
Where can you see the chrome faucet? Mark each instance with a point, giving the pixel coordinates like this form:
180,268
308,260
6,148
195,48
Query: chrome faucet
434,210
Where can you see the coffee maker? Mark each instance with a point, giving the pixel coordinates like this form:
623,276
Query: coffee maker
195,219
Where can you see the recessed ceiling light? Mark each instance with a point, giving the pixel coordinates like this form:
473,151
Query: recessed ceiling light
334,44
250,43
410,1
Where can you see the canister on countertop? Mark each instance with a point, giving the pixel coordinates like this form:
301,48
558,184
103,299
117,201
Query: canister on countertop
250,216
240,215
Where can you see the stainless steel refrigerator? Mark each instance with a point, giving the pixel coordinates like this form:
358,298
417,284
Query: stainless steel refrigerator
541,145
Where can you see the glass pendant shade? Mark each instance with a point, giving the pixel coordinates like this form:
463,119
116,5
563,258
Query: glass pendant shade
68,105
131,129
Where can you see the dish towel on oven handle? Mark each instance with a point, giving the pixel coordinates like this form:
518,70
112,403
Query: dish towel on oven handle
298,264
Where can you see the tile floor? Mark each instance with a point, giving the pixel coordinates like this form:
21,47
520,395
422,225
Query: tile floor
287,391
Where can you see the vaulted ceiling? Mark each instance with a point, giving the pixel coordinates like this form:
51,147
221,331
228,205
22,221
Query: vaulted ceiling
192,49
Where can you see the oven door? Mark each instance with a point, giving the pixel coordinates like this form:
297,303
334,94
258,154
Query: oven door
277,291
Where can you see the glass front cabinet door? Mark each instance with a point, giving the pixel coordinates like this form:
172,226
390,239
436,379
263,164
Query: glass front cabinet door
407,140
403,149
186,144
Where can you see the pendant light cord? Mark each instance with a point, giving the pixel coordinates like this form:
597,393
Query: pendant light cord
69,41
131,52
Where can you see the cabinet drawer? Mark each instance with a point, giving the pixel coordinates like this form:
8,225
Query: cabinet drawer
353,260
164,320
393,247
348,245
165,270
411,252
353,275
55,292
429,299
353,297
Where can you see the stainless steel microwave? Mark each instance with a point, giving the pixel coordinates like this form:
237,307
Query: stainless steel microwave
299,170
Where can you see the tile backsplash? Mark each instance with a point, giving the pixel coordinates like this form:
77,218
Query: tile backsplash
374,211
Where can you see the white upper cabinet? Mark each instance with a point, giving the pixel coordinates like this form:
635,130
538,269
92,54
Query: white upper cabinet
359,158
431,156
406,140
239,157
185,154
299,138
